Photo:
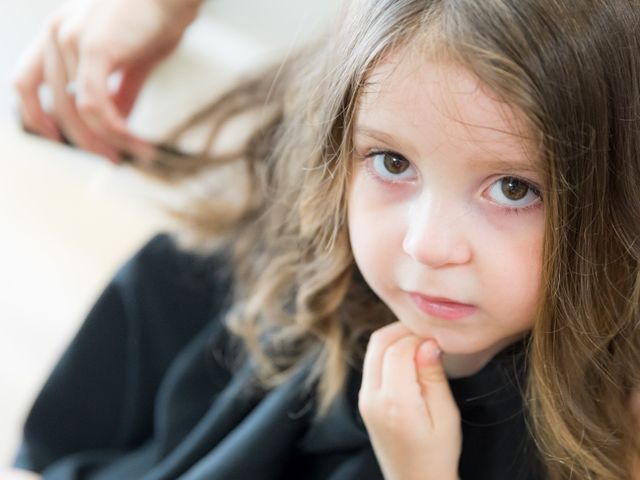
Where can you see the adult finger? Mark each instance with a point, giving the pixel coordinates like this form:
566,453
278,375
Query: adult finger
132,81
67,41
378,343
98,109
433,381
26,79
64,105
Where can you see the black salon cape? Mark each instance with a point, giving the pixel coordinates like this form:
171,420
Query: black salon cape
145,391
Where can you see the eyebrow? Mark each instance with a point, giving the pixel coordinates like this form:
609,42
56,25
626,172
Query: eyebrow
370,132
492,164
513,166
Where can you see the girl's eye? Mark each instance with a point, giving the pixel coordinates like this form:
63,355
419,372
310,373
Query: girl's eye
513,192
390,166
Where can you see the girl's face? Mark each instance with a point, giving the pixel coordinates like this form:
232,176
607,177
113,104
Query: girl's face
445,219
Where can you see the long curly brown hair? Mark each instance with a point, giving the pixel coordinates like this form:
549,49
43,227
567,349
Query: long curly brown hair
573,69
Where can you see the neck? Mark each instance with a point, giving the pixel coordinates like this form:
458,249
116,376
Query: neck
457,366
464,365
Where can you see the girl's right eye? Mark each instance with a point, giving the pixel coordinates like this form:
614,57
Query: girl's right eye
390,167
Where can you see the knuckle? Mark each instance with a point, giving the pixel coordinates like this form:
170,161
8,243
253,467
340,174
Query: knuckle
21,85
365,406
381,337
87,106
376,342
92,48
376,337
385,413
391,415
67,38
373,406
372,416
401,348
52,25
394,352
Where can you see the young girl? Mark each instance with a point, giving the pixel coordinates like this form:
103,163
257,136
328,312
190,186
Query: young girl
457,177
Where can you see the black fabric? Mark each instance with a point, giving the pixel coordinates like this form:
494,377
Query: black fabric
147,390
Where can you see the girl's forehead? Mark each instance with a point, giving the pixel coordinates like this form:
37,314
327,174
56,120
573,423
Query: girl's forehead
435,89
405,92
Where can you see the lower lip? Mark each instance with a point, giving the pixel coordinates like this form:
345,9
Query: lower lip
444,310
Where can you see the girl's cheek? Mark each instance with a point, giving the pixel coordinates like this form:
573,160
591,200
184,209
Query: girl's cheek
377,188
512,239
527,221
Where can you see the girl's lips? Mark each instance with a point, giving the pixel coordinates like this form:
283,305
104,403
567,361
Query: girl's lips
442,308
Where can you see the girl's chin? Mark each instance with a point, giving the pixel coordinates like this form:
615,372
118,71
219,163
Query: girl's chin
449,340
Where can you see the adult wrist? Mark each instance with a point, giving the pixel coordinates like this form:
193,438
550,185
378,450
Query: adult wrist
182,12
179,5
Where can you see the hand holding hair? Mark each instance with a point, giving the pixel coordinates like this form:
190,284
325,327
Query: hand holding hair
408,408
82,44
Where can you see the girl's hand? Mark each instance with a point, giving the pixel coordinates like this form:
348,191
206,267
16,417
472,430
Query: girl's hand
407,407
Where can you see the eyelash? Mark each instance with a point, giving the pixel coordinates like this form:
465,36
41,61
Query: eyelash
504,209
373,174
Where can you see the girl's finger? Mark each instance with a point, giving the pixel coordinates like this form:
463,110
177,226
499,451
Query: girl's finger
398,369
378,343
433,381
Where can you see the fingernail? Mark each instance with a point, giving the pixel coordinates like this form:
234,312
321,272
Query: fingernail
431,350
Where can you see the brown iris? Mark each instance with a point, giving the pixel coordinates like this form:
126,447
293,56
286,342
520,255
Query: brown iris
514,189
394,165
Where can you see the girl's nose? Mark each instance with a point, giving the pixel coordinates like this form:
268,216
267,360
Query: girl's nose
437,237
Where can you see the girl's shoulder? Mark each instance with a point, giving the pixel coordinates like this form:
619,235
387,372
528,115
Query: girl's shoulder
158,310
162,264
162,278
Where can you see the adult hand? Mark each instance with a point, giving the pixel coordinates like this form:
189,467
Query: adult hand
84,44
407,407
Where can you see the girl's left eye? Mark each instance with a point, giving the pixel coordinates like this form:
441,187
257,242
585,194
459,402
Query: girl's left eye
513,192
391,167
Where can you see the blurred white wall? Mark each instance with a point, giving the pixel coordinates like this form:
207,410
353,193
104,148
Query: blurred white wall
67,218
